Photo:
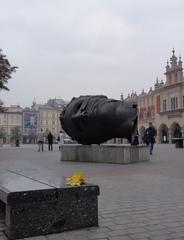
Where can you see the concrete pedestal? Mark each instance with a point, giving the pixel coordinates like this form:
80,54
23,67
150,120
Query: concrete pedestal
106,153
34,207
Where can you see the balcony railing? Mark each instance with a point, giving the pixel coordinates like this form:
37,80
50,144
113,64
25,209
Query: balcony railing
173,113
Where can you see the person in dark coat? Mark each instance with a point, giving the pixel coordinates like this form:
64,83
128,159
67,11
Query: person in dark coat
145,139
150,135
136,139
50,141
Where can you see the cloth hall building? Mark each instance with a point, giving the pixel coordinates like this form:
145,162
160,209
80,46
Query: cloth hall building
164,105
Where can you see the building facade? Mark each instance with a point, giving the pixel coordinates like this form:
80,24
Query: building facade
31,120
164,105
9,120
49,115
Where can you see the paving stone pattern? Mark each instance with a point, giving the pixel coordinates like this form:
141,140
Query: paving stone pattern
139,201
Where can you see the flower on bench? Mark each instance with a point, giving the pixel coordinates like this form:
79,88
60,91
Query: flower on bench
77,179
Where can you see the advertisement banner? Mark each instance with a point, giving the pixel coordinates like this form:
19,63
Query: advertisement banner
31,122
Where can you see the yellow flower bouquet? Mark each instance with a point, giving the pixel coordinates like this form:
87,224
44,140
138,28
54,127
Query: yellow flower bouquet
77,179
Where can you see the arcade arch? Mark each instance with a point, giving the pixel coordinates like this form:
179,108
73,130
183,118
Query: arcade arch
175,130
163,133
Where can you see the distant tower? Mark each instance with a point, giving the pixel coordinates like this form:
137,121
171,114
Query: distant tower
157,83
174,71
167,67
180,70
173,60
33,105
34,102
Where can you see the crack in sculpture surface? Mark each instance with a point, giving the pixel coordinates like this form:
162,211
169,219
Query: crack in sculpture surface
97,119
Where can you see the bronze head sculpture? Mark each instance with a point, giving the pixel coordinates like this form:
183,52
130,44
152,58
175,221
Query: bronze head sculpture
97,119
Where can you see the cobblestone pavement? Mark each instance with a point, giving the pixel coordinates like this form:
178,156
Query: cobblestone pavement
139,201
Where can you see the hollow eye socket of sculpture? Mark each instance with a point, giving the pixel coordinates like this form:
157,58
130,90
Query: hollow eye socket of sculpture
134,105
78,107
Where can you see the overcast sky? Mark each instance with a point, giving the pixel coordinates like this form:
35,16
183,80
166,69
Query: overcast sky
67,48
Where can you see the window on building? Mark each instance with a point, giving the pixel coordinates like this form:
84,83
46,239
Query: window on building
164,105
183,101
174,103
148,112
145,115
170,79
175,77
158,104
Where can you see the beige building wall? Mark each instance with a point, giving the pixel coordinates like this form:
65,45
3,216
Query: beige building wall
49,117
48,120
10,118
164,106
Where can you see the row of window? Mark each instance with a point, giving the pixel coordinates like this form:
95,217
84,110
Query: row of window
9,122
12,116
143,102
46,122
47,115
14,123
173,104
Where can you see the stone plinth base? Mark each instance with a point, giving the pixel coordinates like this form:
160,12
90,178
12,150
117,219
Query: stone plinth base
115,153
68,209
34,207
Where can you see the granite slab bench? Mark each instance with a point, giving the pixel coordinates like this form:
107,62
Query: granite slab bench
37,208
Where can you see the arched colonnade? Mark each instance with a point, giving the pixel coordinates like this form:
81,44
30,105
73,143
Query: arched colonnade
165,133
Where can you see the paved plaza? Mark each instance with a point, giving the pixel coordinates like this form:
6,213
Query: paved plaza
139,201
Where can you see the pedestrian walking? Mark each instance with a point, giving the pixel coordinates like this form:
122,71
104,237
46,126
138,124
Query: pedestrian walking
151,134
50,141
61,142
145,139
136,139
61,139
40,140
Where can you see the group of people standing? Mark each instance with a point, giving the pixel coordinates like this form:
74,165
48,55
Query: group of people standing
50,138
148,139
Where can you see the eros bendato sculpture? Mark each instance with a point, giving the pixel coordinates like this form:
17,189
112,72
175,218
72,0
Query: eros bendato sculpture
97,119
